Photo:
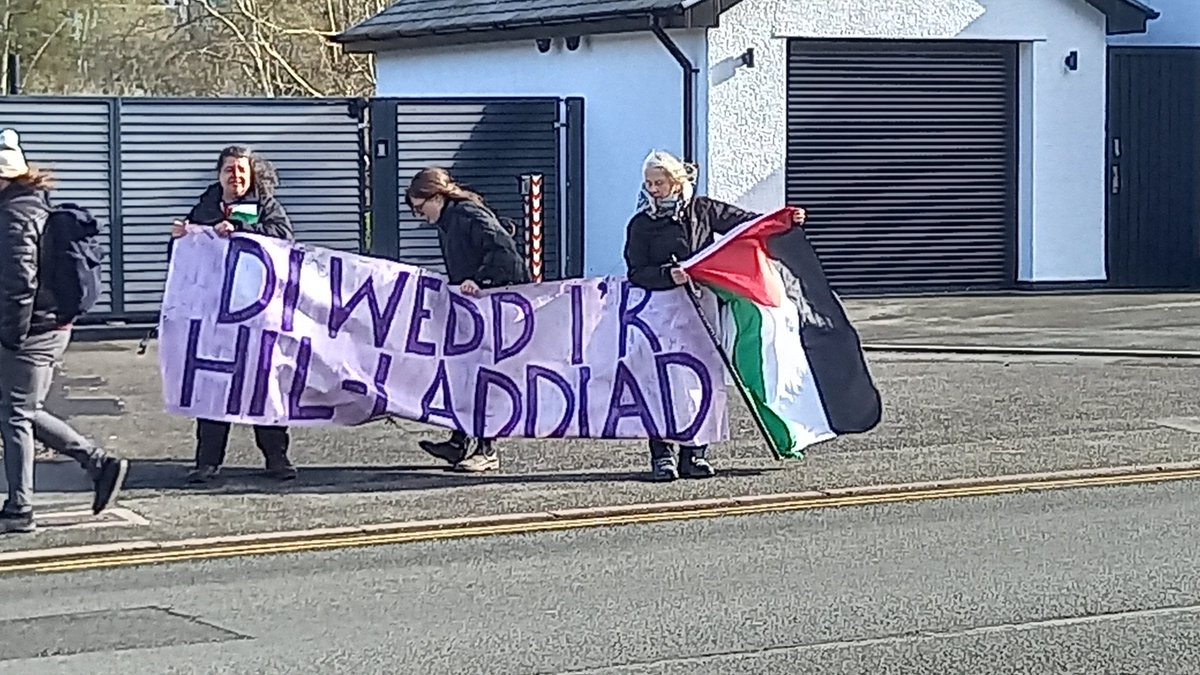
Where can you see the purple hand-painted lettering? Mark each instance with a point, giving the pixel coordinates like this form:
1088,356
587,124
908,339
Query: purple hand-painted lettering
449,346
264,372
194,364
381,320
414,344
440,385
533,374
499,351
291,290
630,319
619,409
576,325
585,422
297,410
238,247
485,379
662,363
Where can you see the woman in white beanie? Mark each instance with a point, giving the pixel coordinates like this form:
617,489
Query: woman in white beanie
33,337
671,225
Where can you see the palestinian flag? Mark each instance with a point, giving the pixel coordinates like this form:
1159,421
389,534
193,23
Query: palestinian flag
787,336
244,213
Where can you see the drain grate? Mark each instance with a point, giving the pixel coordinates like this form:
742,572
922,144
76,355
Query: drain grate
105,631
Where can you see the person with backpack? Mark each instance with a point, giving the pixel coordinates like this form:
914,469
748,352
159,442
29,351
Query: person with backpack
480,253
49,277
242,200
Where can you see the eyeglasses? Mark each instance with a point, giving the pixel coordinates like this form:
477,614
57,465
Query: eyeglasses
417,206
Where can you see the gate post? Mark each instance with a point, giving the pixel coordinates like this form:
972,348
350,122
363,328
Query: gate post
532,197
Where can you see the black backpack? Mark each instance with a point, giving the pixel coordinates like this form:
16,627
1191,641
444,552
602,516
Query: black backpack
71,259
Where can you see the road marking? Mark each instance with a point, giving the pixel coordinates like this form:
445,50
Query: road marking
999,350
277,543
898,639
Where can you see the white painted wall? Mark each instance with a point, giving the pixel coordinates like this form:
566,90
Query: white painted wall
1178,26
633,104
1062,221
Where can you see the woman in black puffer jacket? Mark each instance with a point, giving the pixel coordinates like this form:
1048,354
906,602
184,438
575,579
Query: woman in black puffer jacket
242,200
479,253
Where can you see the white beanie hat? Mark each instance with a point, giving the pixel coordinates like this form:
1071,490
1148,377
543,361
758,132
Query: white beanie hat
12,160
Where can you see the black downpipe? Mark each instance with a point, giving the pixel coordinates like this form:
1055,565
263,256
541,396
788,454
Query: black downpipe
689,89
13,86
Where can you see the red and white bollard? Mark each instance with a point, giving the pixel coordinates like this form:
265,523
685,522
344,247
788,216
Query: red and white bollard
532,189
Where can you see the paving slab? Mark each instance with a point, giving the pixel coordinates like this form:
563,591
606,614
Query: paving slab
1093,321
950,417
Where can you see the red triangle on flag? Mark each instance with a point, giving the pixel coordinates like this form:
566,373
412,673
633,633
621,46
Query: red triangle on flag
740,262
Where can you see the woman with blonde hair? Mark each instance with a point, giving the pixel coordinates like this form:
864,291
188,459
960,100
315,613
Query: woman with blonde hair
671,225
479,253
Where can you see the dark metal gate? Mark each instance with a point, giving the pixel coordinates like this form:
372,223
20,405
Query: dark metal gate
1154,167
905,155
487,145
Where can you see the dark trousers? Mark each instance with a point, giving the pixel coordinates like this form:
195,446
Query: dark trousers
661,448
212,438
462,439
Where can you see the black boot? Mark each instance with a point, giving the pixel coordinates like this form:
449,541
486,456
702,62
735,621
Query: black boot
693,464
662,462
452,450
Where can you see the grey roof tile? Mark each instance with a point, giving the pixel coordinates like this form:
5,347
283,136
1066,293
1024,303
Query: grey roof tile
415,17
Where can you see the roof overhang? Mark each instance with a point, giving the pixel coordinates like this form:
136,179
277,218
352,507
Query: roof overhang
1121,17
688,14
1125,16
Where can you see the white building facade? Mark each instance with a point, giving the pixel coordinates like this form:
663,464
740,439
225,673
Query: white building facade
937,143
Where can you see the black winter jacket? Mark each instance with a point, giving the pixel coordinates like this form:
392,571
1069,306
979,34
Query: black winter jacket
273,221
651,242
209,210
476,247
26,308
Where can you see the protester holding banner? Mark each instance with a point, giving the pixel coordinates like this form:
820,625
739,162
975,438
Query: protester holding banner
35,329
242,200
479,253
671,224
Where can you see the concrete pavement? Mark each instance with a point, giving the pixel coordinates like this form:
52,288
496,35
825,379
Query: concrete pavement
1096,321
945,417
1093,582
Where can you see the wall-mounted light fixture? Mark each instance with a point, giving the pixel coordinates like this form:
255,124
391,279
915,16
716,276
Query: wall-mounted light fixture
1072,60
572,43
543,45
747,58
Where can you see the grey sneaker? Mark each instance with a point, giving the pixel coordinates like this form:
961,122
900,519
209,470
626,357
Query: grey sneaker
478,463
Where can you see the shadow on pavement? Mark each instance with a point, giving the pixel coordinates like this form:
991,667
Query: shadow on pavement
170,475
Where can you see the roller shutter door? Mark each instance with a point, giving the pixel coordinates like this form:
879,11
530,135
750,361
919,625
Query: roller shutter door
905,156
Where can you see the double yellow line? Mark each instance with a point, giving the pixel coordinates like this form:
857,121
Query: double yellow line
638,514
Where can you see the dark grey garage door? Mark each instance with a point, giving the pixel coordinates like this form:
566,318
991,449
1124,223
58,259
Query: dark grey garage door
905,156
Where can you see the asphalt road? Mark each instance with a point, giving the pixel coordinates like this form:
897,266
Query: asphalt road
1097,581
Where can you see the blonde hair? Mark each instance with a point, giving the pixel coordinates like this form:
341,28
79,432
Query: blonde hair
681,173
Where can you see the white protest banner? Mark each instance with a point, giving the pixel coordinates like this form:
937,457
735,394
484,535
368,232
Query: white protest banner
262,331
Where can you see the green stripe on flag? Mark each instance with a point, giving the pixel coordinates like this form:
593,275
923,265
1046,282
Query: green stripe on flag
747,358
